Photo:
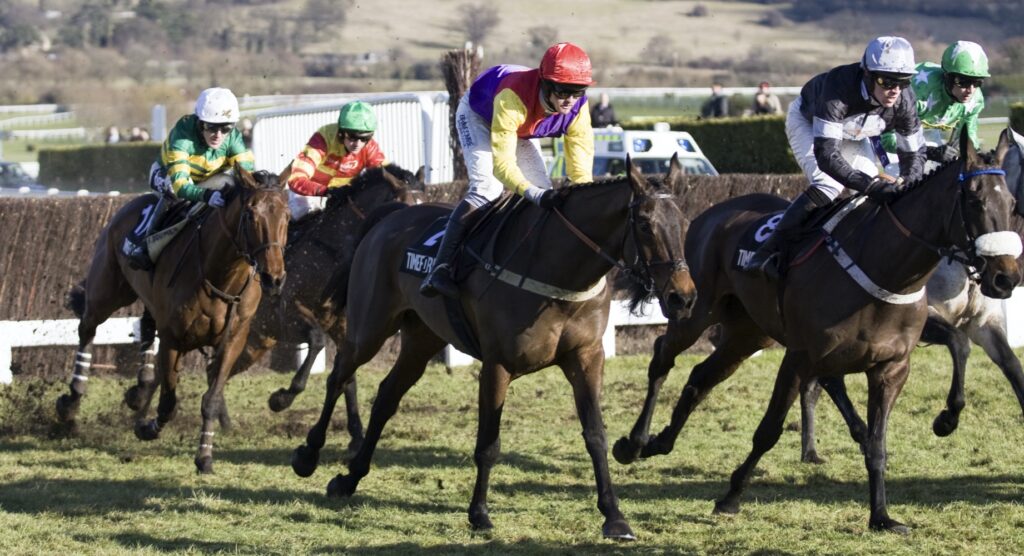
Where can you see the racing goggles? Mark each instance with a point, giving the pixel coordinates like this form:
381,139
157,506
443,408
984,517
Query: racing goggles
965,82
223,129
355,136
890,82
563,92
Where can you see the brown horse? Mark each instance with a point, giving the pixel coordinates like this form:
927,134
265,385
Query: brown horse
322,250
201,293
827,319
565,253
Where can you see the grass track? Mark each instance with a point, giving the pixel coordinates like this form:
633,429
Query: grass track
105,492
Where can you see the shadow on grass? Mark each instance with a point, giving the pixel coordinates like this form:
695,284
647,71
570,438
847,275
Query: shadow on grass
502,547
138,540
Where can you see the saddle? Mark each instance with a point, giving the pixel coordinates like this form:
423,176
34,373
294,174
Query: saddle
178,215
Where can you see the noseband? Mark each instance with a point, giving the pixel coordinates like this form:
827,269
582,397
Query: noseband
243,247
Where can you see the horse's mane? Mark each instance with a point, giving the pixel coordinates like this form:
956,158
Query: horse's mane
367,178
986,157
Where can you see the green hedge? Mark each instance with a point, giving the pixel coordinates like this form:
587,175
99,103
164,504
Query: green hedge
122,166
1017,117
753,145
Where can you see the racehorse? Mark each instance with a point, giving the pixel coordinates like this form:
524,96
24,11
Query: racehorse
831,322
958,313
565,254
324,249
201,293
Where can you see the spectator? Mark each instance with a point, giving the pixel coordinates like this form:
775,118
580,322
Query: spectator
113,135
718,105
603,115
246,127
144,134
136,134
765,101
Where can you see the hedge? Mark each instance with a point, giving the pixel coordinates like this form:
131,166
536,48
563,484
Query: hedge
752,145
122,166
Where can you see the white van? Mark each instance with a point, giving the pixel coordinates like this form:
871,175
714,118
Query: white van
651,149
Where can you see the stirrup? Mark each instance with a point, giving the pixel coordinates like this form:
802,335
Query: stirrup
439,281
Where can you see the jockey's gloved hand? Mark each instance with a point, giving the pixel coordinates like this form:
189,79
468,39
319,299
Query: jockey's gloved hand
942,153
550,200
213,198
882,190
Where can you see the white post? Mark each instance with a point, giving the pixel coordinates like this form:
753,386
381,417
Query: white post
6,376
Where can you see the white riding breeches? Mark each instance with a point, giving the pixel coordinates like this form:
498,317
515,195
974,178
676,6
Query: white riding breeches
475,139
301,205
800,133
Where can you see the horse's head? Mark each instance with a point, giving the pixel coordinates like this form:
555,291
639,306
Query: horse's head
985,207
377,186
263,224
656,251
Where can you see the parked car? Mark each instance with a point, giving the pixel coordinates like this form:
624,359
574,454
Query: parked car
13,176
651,150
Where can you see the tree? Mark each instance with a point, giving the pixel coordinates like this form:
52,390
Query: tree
477,21
540,39
325,14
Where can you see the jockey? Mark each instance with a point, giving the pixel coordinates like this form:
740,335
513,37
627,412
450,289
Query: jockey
505,108
832,127
333,156
949,99
200,146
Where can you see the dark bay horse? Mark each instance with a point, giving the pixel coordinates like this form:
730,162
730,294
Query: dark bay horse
566,253
831,322
958,314
203,292
324,249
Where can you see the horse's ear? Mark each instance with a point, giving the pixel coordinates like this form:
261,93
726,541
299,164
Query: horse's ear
420,174
244,176
396,184
675,172
1005,142
636,177
967,150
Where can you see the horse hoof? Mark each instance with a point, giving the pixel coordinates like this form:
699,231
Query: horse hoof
341,486
618,530
133,398
655,447
945,423
480,521
726,507
304,461
67,408
281,400
813,457
204,465
624,451
890,525
147,430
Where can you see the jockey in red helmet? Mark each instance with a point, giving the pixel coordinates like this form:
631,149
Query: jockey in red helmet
505,108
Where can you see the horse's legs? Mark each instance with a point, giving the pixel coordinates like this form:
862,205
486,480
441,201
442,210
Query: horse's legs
494,381
678,336
168,363
350,356
135,396
787,387
885,381
585,372
213,408
282,399
419,344
992,338
741,338
354,424
938,331
836,388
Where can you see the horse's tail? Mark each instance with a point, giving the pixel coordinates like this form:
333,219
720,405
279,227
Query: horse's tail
75,299
335,294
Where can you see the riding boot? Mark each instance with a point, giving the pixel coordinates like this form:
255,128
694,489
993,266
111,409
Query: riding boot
440,279
135,248
765,260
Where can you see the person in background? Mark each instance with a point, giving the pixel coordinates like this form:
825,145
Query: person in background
246,127
505,108
333,156
717,106
112,136
201,146
603,114
765,101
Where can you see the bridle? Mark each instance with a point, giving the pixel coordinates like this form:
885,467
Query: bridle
242,231
966,250
643,276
